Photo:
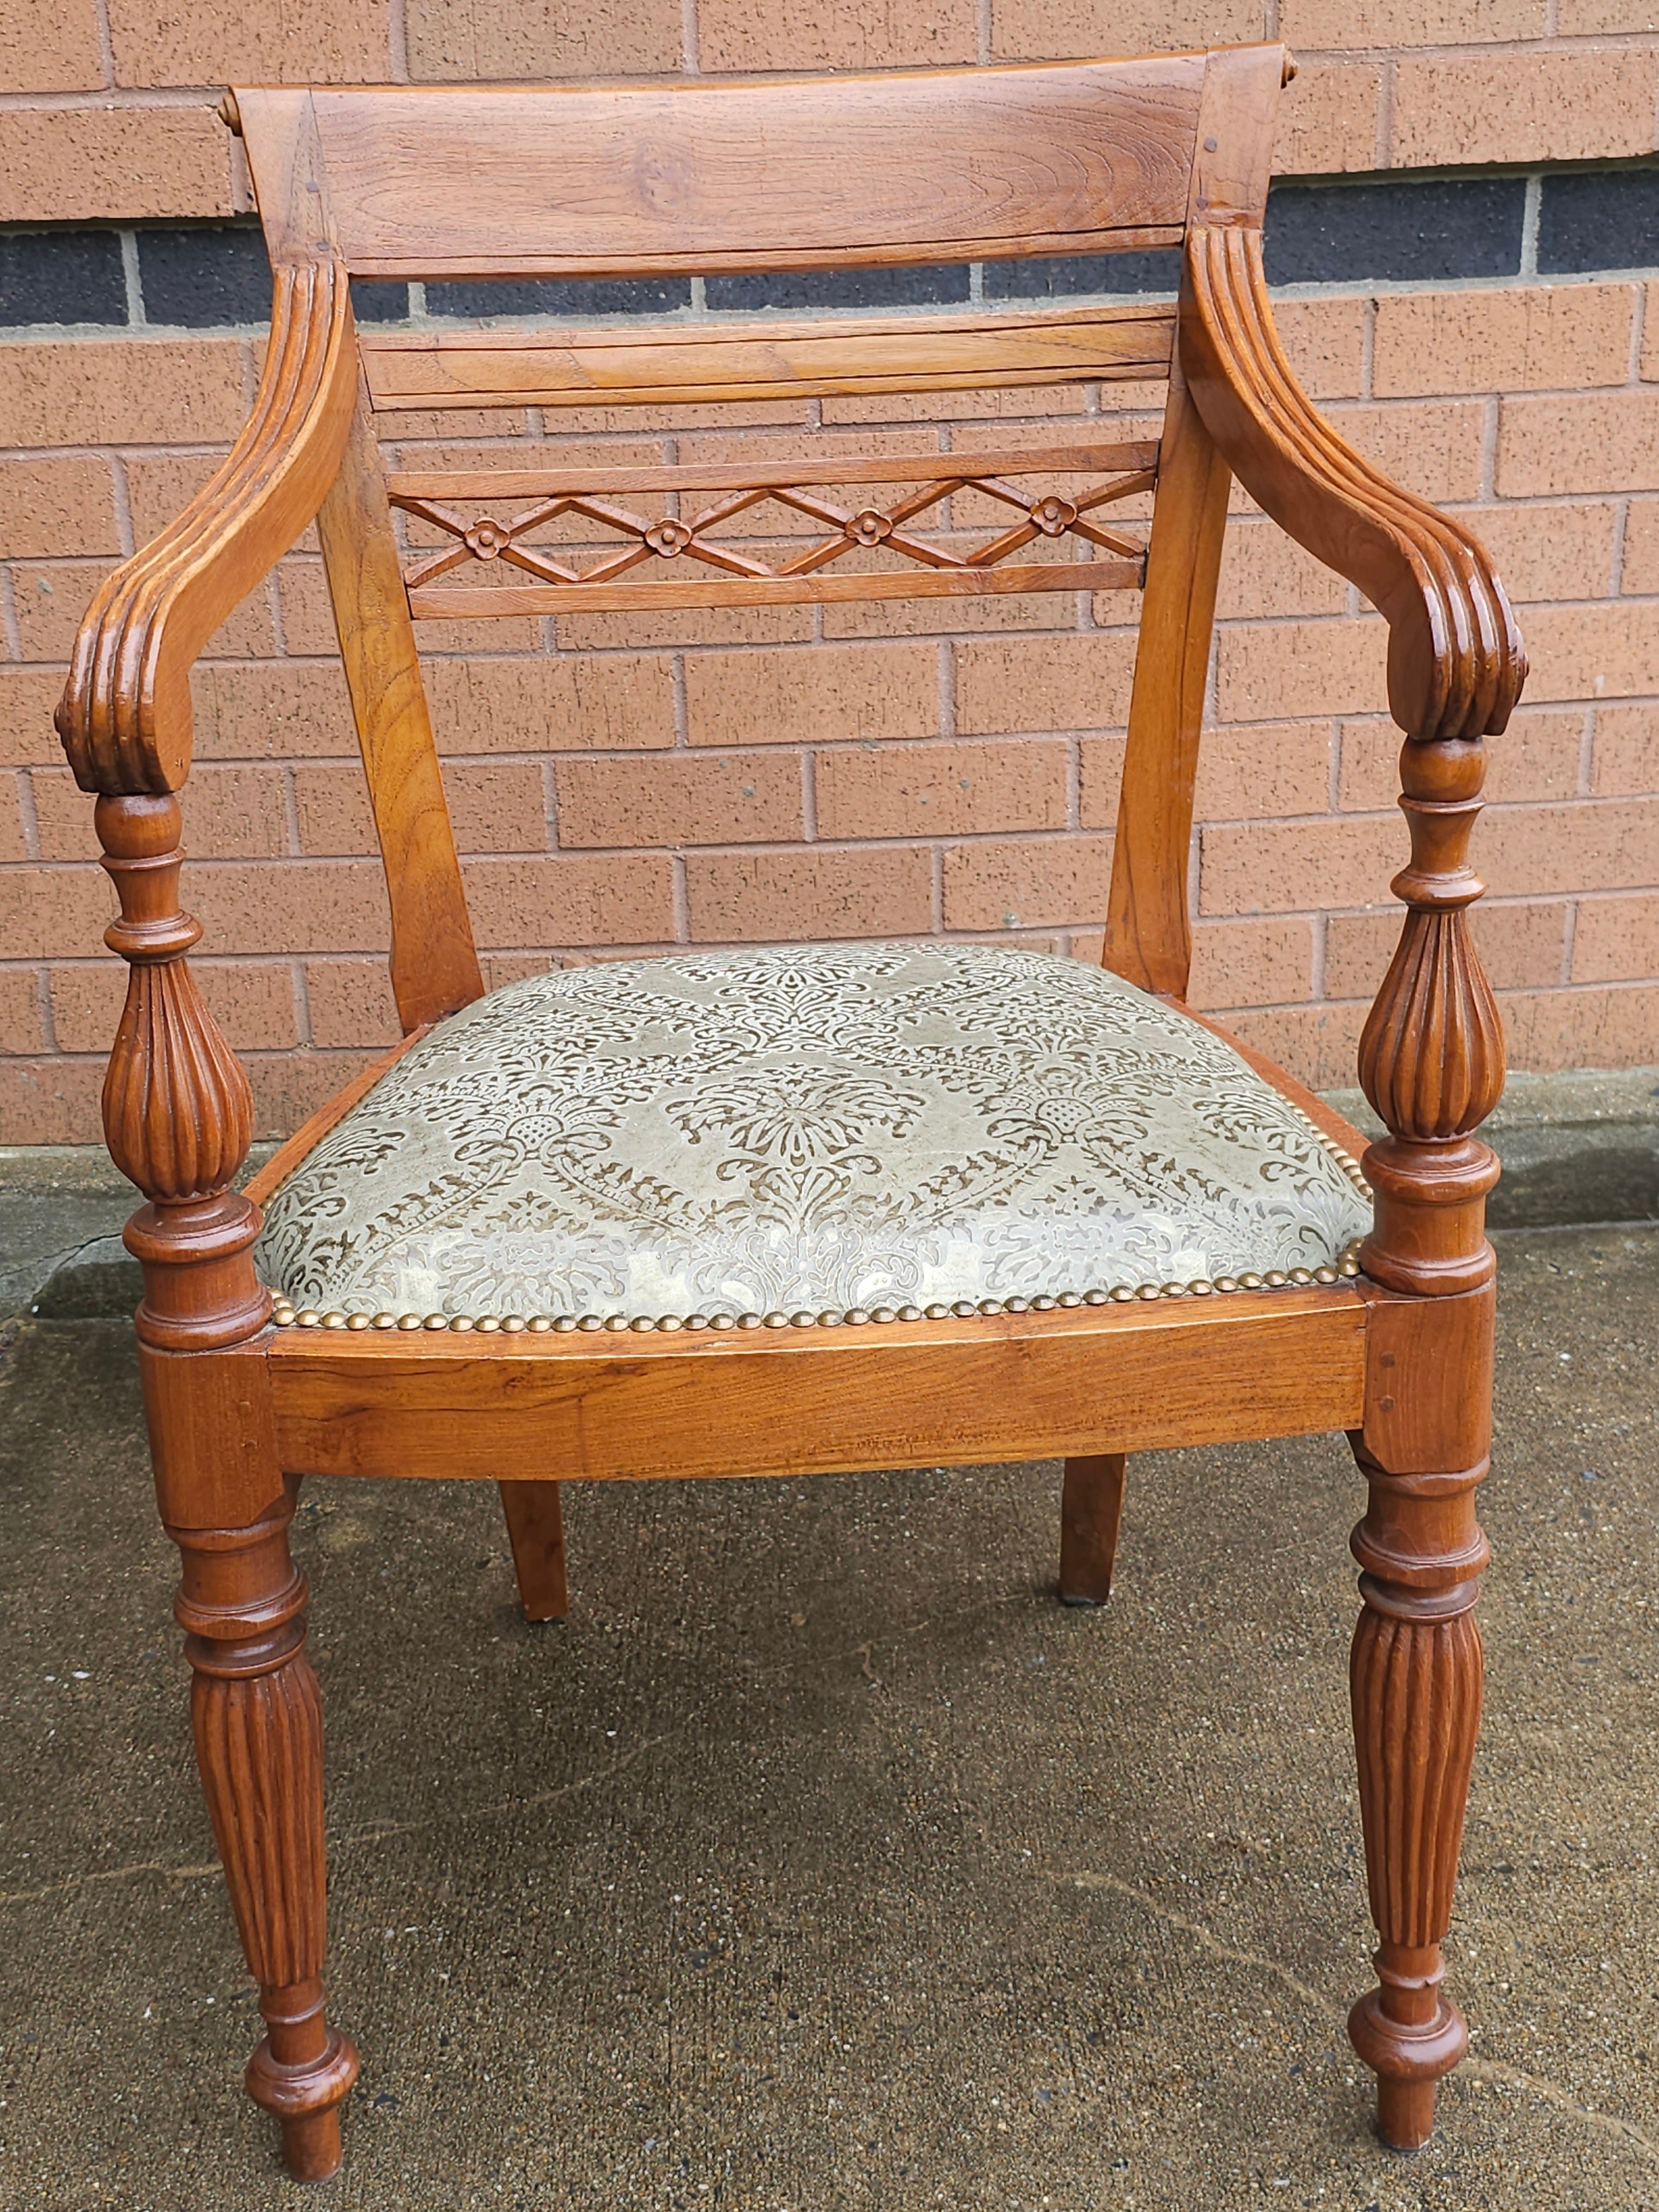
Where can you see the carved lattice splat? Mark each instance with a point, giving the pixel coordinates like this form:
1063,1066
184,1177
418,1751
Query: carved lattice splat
940,568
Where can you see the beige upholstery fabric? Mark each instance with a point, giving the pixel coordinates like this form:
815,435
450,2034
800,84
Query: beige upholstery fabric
805,1130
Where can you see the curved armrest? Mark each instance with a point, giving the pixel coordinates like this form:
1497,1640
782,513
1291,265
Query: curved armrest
125,717
1456,660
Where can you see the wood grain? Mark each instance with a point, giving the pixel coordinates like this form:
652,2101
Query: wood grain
1415,1676
1148,932
592,180
707,363
433,602
1456,660
1428,1405
814,172
258,1721
535,1528
1086,457
125,718
1091,1515
435,967
1028,1386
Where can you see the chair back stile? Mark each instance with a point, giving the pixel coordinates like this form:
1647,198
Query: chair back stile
645,180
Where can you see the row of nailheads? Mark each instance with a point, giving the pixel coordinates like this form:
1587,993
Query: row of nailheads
1345,1160
288,1316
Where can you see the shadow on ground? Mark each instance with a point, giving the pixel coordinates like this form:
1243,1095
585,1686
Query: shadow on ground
821,1859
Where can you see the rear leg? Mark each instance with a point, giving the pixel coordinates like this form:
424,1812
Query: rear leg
535,1525
1090,1509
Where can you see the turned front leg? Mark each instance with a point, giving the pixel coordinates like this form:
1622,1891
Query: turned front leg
259,1728
1415,1675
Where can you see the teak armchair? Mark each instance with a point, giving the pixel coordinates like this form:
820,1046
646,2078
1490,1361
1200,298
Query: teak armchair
1388,1339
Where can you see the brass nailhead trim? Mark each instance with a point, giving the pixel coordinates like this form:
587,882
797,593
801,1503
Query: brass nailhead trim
285,1314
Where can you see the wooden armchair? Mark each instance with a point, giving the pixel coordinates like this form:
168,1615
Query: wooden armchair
614,1315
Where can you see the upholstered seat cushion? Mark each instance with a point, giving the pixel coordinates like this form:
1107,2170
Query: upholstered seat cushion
805,1130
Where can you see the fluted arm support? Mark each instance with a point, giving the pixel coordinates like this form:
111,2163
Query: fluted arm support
1432,1057
125,717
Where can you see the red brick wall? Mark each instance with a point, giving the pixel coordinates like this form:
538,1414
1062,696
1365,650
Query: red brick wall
699,778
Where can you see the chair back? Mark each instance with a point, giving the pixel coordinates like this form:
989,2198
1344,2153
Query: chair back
707,181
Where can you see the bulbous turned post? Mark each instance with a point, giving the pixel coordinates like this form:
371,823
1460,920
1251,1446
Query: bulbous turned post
1431,1055
178,1112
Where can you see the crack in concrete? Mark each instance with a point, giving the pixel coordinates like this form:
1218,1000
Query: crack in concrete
343,1839
1494,2072
459,1815
107,1873
1206,1936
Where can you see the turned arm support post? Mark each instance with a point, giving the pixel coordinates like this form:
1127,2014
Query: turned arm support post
178,1112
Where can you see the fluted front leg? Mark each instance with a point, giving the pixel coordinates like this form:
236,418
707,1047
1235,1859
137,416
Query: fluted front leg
1415,1676
258,1727
1432,1061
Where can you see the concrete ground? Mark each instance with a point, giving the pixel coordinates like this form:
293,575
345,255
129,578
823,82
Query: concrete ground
822,1862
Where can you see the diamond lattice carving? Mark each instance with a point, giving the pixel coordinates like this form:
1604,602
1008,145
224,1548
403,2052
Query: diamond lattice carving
700,536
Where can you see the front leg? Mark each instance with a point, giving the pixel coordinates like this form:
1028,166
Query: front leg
258,1726
1415,1674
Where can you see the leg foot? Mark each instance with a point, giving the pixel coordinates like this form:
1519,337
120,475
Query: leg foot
535,1527
1090,1510
1407,2056
303,2094
310,2147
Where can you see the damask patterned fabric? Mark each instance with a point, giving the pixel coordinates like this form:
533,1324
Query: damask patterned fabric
804,1129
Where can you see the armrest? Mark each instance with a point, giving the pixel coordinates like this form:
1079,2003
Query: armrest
1456,660
125,717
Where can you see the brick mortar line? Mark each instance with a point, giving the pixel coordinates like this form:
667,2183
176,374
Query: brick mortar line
9,628
397,34
356,955
964,840
106,42
1503,990
666,947
568,656
113,100
1383,139
1586,43
208,864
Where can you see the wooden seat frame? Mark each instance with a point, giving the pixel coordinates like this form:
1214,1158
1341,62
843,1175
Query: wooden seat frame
574,181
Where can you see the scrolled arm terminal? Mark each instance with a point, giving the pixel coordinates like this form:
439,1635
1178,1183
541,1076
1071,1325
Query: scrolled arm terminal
1456,660
125,718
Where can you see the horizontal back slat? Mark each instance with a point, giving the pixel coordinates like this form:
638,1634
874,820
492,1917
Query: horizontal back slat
734,476
575,180
431,602
711,362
